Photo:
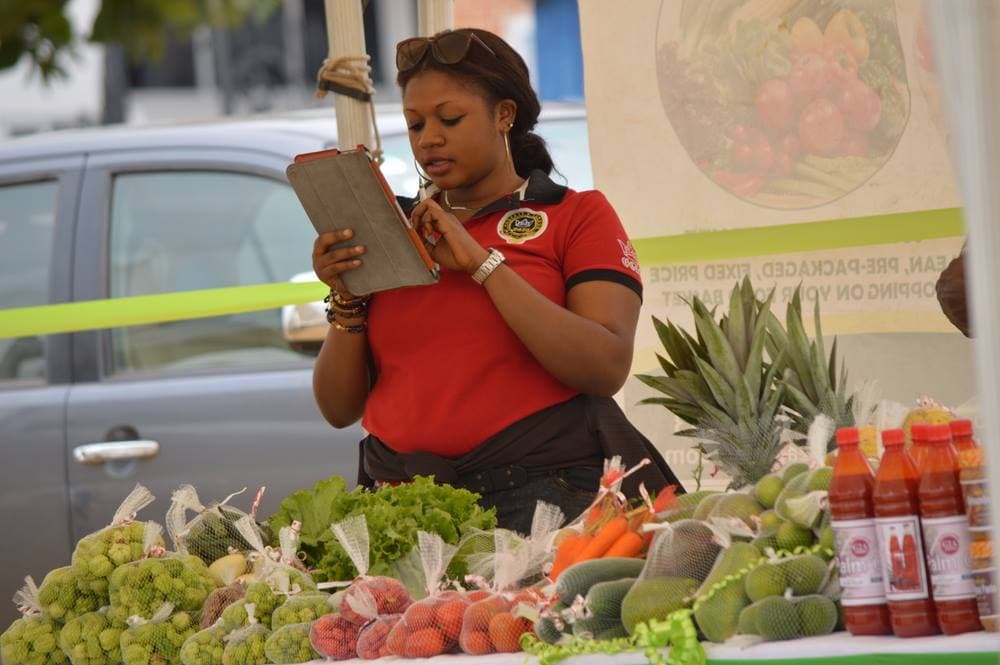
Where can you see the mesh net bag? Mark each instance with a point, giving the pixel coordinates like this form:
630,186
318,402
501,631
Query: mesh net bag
373,640
276,581
495,624
245,646
334,638
32,639
721,597
306,607
159,639
205,647
97,555
218,601
63,597
788,618
91,639
430,626
367,597
290,644
610,526
140,588
211,533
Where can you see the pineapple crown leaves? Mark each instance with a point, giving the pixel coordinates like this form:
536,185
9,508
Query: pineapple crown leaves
810,378
720,384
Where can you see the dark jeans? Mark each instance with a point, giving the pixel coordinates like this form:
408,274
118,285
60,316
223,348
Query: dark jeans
572,489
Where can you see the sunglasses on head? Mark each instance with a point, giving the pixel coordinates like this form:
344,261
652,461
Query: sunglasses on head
448,49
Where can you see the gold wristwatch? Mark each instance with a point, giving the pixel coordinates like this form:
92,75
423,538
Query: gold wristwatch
491,263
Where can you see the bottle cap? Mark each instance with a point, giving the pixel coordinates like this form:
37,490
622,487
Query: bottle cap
893,437
918,431
848,436
938,434
961,427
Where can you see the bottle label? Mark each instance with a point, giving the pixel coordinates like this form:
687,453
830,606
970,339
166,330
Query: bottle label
947,541
901,550
986,591
861,577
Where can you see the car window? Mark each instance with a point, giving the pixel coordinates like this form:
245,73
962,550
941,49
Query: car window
182,231
27,226
568,143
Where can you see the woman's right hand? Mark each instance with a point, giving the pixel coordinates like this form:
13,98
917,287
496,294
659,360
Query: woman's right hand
329,265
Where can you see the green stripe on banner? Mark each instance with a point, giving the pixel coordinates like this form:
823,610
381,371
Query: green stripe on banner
804,237
141,310
684,248
971,658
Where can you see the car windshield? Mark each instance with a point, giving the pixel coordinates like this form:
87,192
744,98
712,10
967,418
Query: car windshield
567,140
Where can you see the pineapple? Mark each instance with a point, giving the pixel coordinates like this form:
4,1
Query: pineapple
720,384
810,380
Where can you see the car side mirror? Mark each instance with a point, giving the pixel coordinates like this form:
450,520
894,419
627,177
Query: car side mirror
304,326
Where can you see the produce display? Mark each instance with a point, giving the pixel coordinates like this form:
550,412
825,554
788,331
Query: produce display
788,104
806,540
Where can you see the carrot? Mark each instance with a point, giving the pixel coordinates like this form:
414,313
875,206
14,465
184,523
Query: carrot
629,544
603,539
566,553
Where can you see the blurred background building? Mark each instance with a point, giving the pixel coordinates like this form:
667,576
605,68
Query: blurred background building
263,66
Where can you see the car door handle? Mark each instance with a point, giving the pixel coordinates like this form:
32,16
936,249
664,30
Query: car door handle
107,451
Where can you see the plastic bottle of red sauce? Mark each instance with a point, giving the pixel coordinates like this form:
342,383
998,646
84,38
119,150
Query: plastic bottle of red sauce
961,435
861,572
918,436
946,536
897,522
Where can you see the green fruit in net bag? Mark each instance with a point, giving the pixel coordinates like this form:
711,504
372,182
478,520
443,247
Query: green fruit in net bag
290,644
767,579
63,596
91,639
140,588
769,521
656,598
777,619
157,641
790,536
817,615
246,648
98,555
204,647
793,470
303,608
748,621
805,574
718,610
265,601
738,506
31,641
768,488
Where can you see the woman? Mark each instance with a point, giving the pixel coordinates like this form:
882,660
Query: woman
499,377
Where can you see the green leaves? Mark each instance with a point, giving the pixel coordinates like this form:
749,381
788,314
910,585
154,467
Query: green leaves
394,516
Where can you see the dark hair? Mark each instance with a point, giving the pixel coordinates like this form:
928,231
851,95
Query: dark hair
502,77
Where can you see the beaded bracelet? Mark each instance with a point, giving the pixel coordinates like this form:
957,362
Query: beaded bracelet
349,309
352,330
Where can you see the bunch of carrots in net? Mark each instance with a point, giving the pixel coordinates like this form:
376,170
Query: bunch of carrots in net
611,528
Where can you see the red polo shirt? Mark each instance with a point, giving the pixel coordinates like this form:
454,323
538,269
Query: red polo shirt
450,373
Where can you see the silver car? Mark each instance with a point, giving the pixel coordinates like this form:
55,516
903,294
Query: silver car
221,403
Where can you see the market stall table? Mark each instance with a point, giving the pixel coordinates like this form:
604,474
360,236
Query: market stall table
836,649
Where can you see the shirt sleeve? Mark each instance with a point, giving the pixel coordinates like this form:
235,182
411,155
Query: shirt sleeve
597,247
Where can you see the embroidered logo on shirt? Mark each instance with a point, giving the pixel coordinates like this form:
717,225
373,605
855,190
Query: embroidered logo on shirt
521,225
630,259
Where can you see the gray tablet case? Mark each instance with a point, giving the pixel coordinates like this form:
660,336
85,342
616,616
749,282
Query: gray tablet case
346,190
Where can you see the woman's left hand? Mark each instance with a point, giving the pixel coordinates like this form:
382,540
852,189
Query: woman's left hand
456,249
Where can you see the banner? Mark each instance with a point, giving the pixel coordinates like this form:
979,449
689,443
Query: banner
781,117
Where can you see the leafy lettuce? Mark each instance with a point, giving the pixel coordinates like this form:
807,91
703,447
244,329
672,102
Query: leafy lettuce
394,516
